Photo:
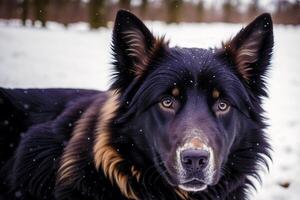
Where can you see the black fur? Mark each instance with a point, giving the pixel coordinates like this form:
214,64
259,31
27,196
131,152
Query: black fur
36,125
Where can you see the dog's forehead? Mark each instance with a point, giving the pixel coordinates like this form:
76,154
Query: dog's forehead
191,65
193,59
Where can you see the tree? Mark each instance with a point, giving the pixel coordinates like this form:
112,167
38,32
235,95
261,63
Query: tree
40,11
144,6
253,8
64,15
200,11
97,13
10,7
24,15
228,9
125,4
174,10
76,11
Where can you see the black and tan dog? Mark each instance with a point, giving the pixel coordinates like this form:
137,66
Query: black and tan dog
177,123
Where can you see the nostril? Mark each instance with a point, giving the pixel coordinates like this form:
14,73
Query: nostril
202,161
194,159
187,161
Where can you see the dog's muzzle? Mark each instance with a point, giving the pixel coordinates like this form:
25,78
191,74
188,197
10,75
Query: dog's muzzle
195,165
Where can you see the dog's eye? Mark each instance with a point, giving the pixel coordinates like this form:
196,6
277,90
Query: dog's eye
223,106
167,102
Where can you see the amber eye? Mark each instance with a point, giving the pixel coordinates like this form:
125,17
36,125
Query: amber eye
167,102
223,106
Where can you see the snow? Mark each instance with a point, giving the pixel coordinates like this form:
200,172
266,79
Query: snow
79,58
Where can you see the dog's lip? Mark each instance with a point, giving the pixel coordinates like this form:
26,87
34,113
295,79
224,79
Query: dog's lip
194,185
194,181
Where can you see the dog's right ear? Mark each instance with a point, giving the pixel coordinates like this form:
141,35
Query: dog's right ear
133,46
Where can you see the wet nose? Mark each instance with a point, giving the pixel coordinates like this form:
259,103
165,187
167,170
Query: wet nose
194,160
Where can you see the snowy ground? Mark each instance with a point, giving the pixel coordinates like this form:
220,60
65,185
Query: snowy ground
77,57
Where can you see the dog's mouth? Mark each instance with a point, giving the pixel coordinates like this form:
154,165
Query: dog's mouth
194,182
194,185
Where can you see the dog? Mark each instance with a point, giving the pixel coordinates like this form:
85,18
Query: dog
176,123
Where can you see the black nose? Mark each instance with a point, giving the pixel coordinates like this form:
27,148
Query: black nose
194,160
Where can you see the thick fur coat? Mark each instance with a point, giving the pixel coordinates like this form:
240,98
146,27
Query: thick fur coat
177,123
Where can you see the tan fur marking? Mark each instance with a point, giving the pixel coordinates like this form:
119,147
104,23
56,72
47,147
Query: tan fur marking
70,157
102,147
196,143
135,40
215,94
139,52
182,194
136,173
245,55
175,92
105,156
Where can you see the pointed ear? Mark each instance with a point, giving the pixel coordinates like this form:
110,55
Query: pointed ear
133,48
250,52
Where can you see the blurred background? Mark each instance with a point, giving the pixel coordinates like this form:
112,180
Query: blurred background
99,12
66,43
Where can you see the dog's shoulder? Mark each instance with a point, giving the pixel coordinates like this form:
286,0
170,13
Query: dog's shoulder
36,125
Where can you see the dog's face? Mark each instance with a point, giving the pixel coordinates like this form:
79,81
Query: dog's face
190,107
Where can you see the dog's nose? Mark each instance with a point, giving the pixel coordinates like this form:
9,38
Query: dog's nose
194,160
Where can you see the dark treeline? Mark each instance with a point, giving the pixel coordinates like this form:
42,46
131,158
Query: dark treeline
98,12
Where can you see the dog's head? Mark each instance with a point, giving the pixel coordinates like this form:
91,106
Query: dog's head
188,109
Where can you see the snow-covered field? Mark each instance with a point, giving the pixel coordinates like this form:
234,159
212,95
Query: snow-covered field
77,57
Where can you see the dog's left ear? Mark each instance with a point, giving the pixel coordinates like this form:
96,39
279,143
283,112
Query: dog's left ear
133,47
250,52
